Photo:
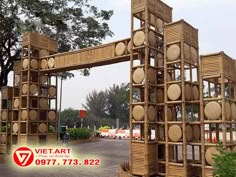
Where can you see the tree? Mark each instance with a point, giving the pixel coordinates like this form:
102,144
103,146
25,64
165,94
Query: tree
70,117
75,24
118,102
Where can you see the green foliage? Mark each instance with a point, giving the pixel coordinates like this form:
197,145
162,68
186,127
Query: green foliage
3,129
51,129
104,127
75,24
70,117
225,163
79,133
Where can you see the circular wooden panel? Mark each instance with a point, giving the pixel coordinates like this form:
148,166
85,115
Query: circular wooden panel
160,25
42,128
138,76
24,115
120,49
52,91
188,92
152,38
175,133
33,115
25,63
51,62
51,115
189,133
169,114
151,75
33,89
4,115
212,110
17,80
138,113
186,52
174,92
194,55
173,52
34,64
152,113
227,111
195,93
16,103
3,139
160,96
139,38
233,111
15,128
129,47
43,53
43,103
43,79
196,132
209,155
24,88
44,64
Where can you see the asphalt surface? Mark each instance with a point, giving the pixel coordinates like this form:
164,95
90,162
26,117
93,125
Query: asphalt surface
109,152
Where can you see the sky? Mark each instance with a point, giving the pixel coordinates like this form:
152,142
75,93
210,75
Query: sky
215,20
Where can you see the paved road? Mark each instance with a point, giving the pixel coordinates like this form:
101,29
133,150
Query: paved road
110,152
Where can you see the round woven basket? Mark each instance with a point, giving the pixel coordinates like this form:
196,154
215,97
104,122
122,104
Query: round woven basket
196,132
194,55
25,64
51,62
52,91
43,103
24,115
4,115
34,64
173,52
138,113
188,92
212,110
16,103
42,128
152,113
195,93
152,38
227,111
33,115
51,115
44,64
189,133
175,133
160,96
43,79
129,46
15,128
210,152
3,139
24,89
33,89
174,92
160,25
139,38
151,75
43,53
233,111
138,76
17,80
120,49
186,52
161,133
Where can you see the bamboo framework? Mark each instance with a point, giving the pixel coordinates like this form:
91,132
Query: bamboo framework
181,106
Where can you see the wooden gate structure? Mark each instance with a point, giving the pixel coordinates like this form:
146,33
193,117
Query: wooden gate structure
189,102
